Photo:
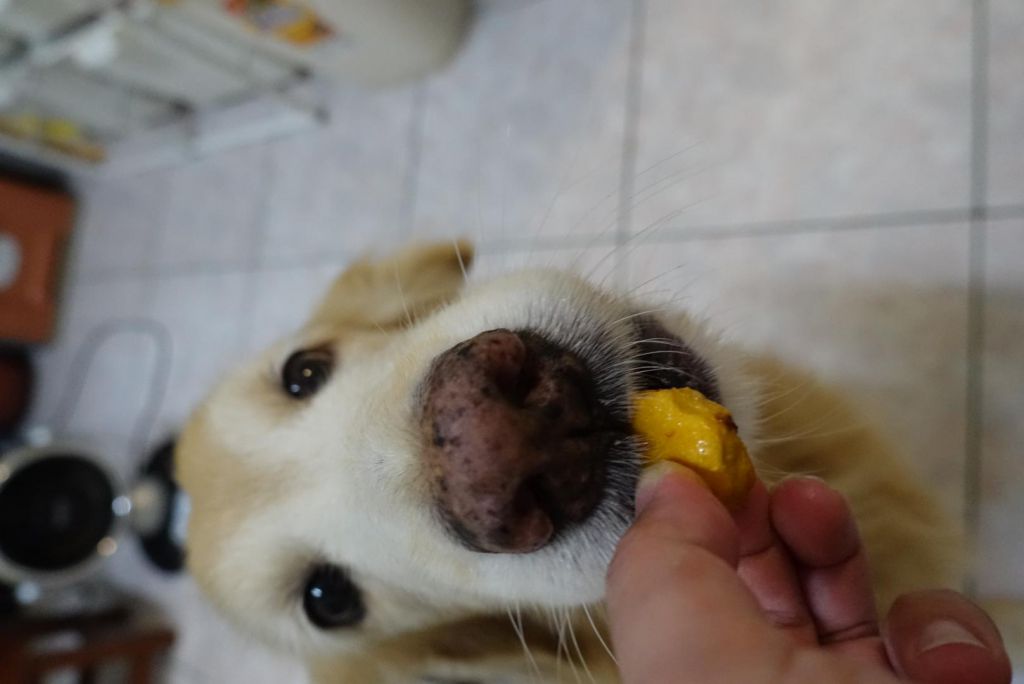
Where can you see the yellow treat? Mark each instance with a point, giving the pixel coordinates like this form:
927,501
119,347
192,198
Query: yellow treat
683,425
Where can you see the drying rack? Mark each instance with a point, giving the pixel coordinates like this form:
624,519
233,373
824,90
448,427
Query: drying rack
120,86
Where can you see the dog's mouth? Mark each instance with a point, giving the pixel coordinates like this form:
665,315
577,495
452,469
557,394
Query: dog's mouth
525,437
664,361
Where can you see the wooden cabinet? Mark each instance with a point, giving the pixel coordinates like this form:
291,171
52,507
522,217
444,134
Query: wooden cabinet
35,225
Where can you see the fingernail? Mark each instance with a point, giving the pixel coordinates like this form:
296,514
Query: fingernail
944,633
653,475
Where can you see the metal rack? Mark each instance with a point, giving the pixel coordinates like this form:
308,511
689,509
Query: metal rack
116,86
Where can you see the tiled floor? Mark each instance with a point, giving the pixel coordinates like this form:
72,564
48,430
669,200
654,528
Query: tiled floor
842,184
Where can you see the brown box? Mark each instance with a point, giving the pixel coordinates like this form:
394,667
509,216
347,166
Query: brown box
39,221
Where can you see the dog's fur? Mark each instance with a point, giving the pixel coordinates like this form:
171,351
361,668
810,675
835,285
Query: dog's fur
277,485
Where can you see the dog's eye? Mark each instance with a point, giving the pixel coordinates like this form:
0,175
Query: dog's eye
305,372
331,600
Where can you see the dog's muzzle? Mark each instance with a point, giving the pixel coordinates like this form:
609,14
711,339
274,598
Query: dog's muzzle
515,440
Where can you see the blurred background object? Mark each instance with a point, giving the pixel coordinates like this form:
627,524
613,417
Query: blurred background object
838,184
35,223
17,379
138,83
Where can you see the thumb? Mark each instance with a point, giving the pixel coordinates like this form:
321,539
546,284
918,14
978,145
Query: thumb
940,637
678,610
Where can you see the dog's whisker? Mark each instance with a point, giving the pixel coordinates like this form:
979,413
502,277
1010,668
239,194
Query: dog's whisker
634,239
401,294
645,340
613,214
576,647
805,388
565,626
559,629
561,187
811,434
462,263
503,180
517,626
674,352
808,389
611,218
597,633
615,191
633,290
637,314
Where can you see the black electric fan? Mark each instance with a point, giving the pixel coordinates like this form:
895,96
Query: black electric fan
63,512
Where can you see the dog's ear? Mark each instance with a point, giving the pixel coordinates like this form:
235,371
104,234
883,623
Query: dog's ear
394,291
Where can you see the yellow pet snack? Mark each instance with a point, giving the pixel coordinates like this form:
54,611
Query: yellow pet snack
683,425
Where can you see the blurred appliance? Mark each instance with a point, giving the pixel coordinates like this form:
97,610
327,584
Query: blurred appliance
17,381
140,83
63,511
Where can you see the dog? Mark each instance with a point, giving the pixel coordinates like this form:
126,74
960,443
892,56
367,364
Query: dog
426,483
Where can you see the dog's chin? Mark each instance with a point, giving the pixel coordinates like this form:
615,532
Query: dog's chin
570,569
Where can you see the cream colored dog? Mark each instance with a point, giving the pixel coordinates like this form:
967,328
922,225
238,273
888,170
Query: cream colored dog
427,482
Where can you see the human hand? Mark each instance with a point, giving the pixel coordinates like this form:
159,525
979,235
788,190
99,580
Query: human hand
778,593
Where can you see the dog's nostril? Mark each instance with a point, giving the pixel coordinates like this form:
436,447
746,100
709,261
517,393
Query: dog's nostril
502,356
513,438
553,411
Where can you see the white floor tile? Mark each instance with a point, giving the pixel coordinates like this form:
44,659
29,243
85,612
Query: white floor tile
117,222
782,110
205,316
523,133
282,301
215,208
1006,103
340,190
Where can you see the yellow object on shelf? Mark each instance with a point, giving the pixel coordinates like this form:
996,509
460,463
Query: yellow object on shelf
21,125
65,136
683,425
61,135
292,21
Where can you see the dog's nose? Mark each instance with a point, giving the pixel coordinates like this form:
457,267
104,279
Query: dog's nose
514,440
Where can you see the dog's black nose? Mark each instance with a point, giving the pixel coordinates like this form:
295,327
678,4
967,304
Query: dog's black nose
514,439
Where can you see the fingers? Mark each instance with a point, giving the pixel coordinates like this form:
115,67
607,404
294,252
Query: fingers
766,568
675,604
817,526
939,637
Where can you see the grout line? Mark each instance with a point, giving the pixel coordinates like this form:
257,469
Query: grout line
977,234
150,268
414,158
810,226
1002,212
773,228
268,182
254,257
679,235
630,133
